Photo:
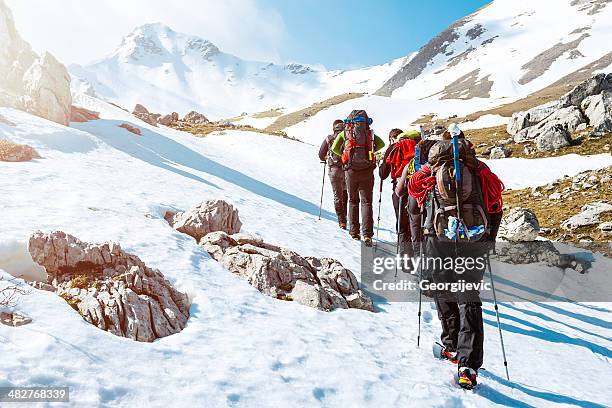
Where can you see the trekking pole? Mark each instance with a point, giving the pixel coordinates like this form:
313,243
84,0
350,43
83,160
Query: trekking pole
501,337
420,275
322,186
378,221
397,228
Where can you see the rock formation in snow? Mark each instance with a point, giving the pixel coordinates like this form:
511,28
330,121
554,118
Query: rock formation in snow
519,225
550,125
39,85
110,288
13,152
277,272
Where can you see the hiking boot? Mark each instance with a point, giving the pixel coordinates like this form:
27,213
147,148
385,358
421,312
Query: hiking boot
451,356
467,378
367,241
356,237
343,225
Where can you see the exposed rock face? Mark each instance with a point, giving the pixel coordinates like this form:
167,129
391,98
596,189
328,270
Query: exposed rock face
524,119
520,225
110,288
565,118
14,319
168,120
130,128
588,216
38,85
206,217
195,118
598,108
593,86
13,152
281,273
555,138
143,114
47,87
80,115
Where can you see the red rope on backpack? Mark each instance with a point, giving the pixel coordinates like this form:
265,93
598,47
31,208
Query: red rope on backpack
492,188
420,184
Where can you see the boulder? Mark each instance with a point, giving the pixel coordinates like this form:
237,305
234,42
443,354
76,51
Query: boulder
112,289
168,120
555,138
13,152
283,274
598,109
520,225
524,119
589,215
131,129
195,118
567,118
522,253
499,152
592,86
47,90
208,216
81,115
143,114
140,109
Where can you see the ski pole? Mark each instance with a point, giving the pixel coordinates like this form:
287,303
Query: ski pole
322,186
501,337
378,221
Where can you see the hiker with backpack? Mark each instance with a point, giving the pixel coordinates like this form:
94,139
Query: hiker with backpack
336,172
459,195
356,146
399,157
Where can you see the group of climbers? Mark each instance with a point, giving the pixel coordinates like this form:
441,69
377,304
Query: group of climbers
447,204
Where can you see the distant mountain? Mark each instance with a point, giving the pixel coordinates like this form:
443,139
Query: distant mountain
507,49
169,71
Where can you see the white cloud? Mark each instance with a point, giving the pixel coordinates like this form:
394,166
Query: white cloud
83,30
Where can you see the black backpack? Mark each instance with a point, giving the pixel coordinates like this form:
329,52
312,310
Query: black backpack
333,160
442,208
359,142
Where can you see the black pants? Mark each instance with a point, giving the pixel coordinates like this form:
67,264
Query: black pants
462,329
338,181
403,226
415,220
360,187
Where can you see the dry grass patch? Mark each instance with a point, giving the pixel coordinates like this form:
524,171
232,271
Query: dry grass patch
294,118
204,129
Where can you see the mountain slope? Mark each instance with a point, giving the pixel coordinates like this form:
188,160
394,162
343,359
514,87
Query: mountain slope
506,49
169,71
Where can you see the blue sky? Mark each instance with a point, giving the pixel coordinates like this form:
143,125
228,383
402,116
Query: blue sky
333,32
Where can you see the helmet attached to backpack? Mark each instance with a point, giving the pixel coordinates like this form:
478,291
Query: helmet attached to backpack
359,142
338,125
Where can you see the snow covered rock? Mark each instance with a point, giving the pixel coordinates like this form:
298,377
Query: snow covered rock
14,319
555,138
13,152
598,108
588,216
206,217
283,274
47,89
566,118
520,225
195,118
592,86
524,119
110,288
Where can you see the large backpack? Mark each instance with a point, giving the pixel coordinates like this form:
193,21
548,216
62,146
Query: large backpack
402,153
359,142
443,219
333,160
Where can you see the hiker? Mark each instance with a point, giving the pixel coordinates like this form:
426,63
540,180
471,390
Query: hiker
336,172
398,156
356,146
453,233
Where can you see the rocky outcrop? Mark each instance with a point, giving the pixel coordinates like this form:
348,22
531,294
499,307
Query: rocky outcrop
143,114
81,115
550,125
14,319
590,215
39,85
498,152
522,253
520,225
13,152
208,216
283,274
167,120
131,129
110,288
195,118
278,272
598,109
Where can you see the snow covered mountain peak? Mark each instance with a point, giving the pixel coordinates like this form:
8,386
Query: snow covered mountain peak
156,40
